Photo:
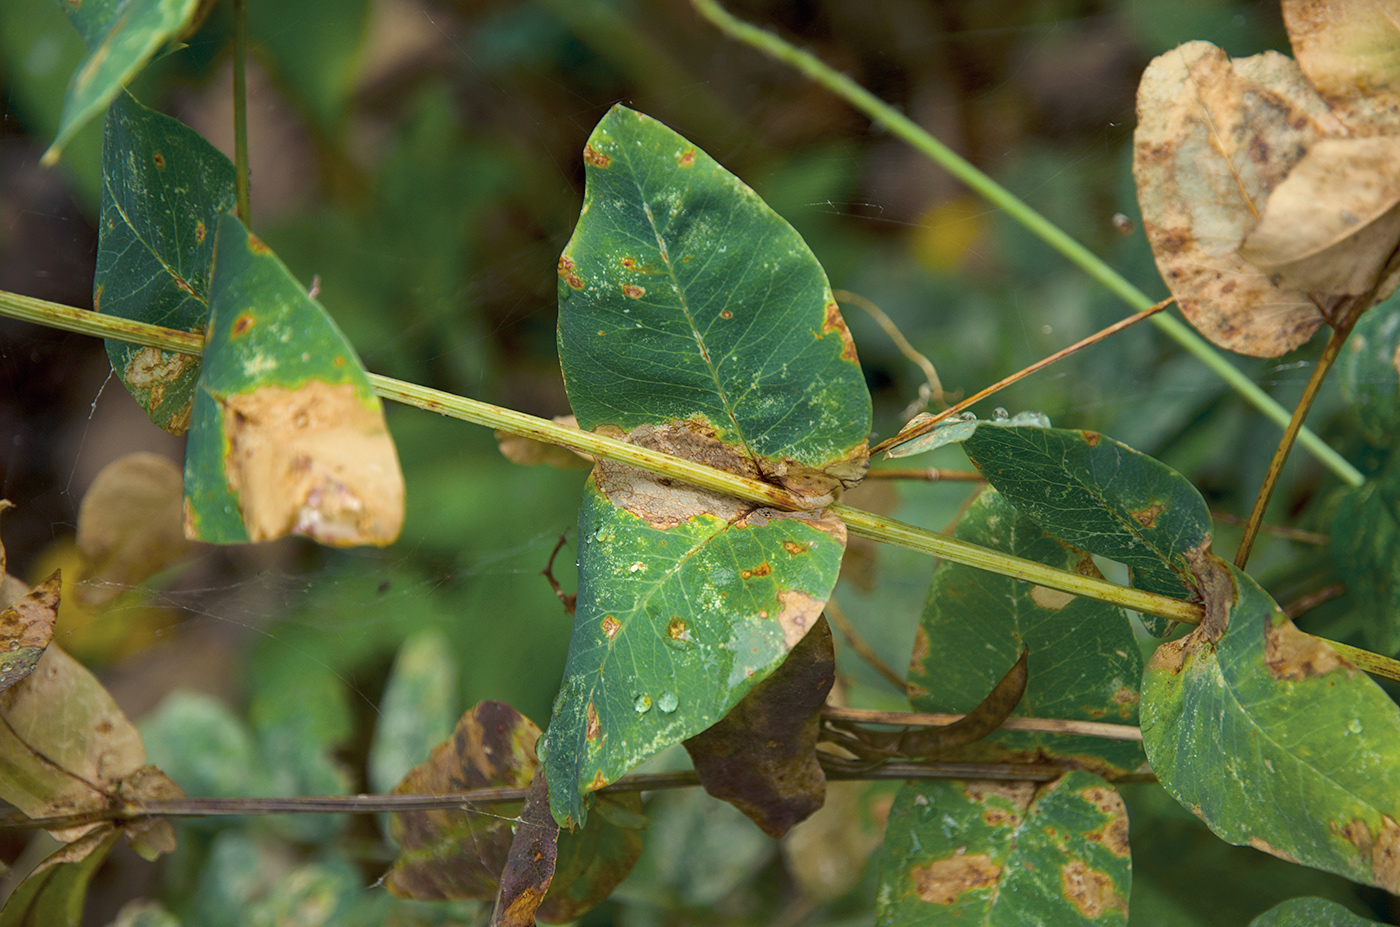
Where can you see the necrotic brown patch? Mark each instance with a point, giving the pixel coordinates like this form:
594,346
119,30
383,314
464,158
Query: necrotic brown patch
688,158
1291,654
832,322
944,881
1148,517
255,245
611,626
595,157
567,274
633,292
593,729
1090,890
159,160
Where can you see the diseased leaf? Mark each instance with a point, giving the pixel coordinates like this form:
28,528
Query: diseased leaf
1214,138
288,437
1006,853
1084,661
451,853
1350,51
529,866
1102,496
1369,372
1310,912
163,190
1365,544
122,35
682,283
1247,719
593,860
761,757
129,525
1333,223
26,629
956,429
53,894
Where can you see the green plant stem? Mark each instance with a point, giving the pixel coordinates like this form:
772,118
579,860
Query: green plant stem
906,129
240,111
858,522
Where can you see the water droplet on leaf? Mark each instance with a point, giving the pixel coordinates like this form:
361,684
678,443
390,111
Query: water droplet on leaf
668,701
642,703
1000,415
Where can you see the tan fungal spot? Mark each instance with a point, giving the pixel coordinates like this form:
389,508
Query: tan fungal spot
594,730
629,263
763,569
1291,654
1114,834
159,160
150,370
1052,599
199,232
1090,890
999,817
799,612
611,626
97,297
1019,794
595,157
676,630
794,548
1381,849
633,292
1125,696
316,461
1258,844
242,324
919,654
1091,438
599,780
688,158
832,322
665,506
726,314
255,245
944,881
567,274
1148,517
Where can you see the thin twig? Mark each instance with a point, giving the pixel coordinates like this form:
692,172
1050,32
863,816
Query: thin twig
931,423
1292,534
240,111
863,649
935,385
1038,725
926,474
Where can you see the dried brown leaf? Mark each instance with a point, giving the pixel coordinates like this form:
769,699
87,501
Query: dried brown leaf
1214,139
529,865
1350,51
26,628
761,757
129,525
594,860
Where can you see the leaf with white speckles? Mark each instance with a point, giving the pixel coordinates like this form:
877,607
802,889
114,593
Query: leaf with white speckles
287,435
1311,912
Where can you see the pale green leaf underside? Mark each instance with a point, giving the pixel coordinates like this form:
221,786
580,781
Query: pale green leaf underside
1310,912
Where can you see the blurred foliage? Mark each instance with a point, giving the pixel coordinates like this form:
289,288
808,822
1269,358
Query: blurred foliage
418,160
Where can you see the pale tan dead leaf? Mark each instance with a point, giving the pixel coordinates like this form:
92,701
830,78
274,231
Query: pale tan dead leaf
531,453
150,837
129,525
827,853
1214,139
1333,223
1350,51
26,628
65,746
314,461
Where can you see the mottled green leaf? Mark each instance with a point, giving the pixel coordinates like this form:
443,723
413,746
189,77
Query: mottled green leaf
313,48
684,298
761,757
1084,661
593,860
417,710
1365,543
686,601
1368,373
203,746
1273,739
985,853
1104,497
163,190
122,35
1310,912
287,435
53,894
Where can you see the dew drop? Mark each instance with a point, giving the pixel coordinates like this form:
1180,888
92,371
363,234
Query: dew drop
1354,726
1000,415
966,417
542,747
668,701
642,703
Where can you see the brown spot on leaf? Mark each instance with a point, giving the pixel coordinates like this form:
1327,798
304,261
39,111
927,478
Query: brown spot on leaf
763,569
832,322
1148,517
159,160
799,612
242,324
255,245
1291,654
633,292
199,232
726,314
1114,834
688,158
1090,890
1019,794
1381,849
595,157
599,780
1091,438
1258,844
567,274
677,630
594,730
611,626
1125,696
944,881
919,654
629,263
794,548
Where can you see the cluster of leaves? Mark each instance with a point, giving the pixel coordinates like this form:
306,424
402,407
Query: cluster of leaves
696,322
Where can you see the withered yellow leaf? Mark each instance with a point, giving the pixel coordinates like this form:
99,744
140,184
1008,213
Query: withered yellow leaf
129,524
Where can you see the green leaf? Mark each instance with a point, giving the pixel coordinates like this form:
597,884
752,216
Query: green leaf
676,620
1368,373
1084,662
1365,543
994,854
1274,740
122,35
957,429
684,298
144,913
1310,912
164,189
53,894
1104,497
203,746
313,47
593,860
287,436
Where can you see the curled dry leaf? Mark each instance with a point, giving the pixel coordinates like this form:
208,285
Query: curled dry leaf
129,524
1350,50
1215,137
531,453
26,628
529,866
